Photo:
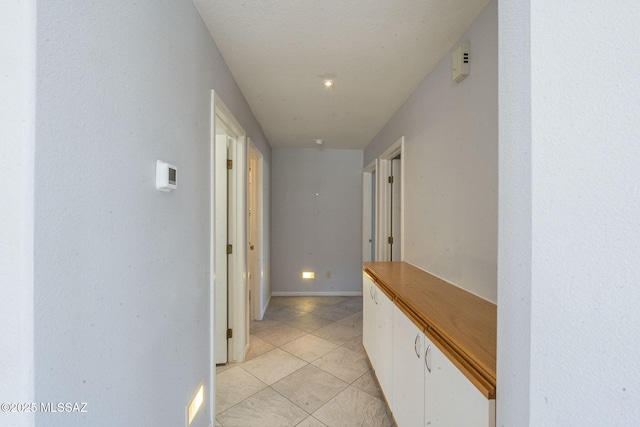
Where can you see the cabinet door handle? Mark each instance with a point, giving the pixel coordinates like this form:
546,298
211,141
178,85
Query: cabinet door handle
426,358
415,345
371,291
375,296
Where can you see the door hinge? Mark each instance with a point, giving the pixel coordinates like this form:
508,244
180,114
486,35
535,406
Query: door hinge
390,180
229,249
229,164
390,240
229,333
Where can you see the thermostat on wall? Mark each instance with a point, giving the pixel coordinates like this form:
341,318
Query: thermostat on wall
165,176
460,62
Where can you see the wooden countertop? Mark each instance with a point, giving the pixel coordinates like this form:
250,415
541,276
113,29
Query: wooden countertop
462,325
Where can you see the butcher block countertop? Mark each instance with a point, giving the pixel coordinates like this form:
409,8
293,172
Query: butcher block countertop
461,324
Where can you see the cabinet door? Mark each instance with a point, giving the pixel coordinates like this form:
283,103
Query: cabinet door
384,342
408,372
450,398
368,318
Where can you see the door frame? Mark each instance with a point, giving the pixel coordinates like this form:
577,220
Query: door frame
257,283
237,225
383,194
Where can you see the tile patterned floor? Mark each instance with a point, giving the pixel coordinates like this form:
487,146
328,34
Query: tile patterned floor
306,367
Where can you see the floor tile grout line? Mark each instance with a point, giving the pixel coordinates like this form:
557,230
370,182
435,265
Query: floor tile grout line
309,363
342,346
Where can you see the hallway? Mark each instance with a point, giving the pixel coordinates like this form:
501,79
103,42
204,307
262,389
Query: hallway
306,367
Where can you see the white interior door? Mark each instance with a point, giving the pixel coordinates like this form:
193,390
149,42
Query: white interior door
254,240
252,232
369,213
229,237
220,250
374,219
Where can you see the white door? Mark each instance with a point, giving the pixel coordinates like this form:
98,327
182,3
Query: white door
255,240
450,398
372,226
369,213
384,342
369,319
251,267
220,250
408,372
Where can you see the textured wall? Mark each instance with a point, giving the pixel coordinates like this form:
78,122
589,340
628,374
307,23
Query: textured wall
316,220
585,196
122,306
569,244
451,165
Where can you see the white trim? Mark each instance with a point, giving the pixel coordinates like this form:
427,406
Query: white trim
211,393
395,149
371,167
316,294
264,309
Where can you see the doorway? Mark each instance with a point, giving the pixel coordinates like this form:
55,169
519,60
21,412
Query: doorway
390,203
230,316
395,182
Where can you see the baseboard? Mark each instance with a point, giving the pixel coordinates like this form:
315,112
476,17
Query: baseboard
264,308
317,294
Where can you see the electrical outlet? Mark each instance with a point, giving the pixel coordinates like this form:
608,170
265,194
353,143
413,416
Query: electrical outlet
328,275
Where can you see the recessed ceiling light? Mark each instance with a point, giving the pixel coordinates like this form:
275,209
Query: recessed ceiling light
328,83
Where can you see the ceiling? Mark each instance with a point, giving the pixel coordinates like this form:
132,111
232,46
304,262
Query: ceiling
376,51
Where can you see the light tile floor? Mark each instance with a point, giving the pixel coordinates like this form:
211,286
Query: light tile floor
306,367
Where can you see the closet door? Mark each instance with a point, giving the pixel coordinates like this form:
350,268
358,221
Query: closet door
450,399
369,318
408,372
384,342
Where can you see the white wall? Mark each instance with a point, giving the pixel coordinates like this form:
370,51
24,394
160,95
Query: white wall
17,115
316,220
451,165
584,210
122,274
514,236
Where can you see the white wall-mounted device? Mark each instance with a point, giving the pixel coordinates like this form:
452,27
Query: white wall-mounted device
460,62
166,176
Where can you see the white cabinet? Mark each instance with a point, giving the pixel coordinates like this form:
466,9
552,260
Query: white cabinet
421,385
450,399
377,333
384,342
368,318
408,372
